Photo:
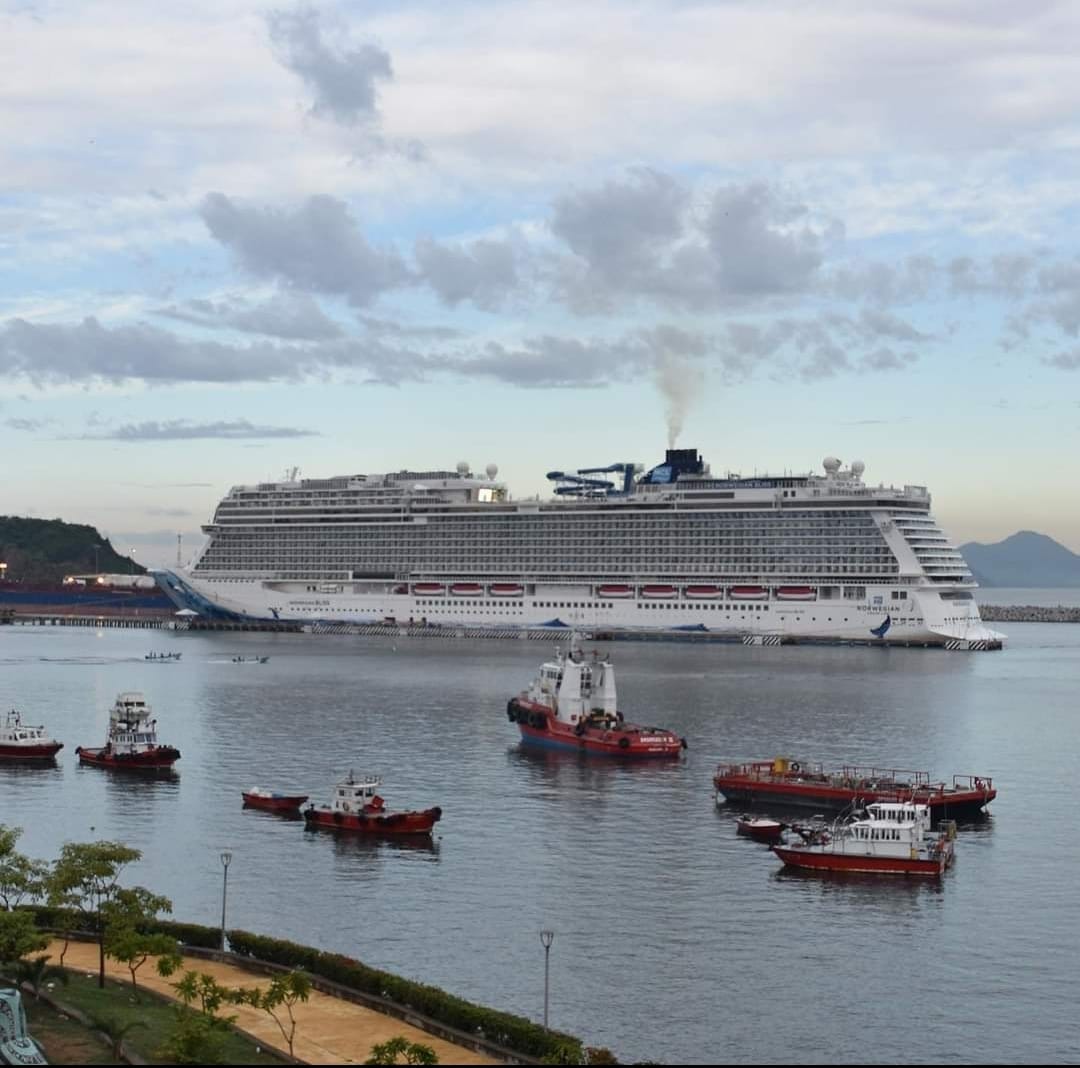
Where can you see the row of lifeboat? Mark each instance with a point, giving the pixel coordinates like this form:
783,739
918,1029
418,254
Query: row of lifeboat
616,591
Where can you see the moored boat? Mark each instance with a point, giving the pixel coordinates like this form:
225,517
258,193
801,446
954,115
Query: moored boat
357,807
571,704
893,838
19,741
131,743
760,829
788,782
272,801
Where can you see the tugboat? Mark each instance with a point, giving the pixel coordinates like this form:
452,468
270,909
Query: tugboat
271,801
131,744
788,782
357,807
571,704
892,839
20,742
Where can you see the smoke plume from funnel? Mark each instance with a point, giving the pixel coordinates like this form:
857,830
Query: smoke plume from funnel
680,382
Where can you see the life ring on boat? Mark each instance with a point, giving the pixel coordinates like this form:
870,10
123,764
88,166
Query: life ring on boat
624,742
795,766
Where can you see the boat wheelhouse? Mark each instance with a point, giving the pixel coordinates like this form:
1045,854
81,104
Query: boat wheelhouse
772,559
19,741
893,838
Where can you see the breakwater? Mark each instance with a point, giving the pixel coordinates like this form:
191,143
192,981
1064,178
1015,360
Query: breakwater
1029,613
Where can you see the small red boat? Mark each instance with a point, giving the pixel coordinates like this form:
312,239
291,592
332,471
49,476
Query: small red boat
796,593
357,807
749,593
761,830
659,593
466,589
615,591
506,589
703,593
21,742
571,704
271,801
131,744
787,782
892,839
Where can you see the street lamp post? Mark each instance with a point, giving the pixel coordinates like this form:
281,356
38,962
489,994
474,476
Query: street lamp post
226,859
97,570
546,938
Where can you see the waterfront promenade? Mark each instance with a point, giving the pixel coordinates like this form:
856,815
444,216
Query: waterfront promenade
329,1030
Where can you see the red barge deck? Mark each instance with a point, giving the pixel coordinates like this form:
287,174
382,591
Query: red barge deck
791,783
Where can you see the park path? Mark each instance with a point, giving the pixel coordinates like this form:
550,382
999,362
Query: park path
329,1030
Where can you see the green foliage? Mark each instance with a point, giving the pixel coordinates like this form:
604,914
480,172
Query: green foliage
129,937
202,988
199,1035
116,1030
399,1050
36,972
283,992
514,1032
20,876
19,936
45,550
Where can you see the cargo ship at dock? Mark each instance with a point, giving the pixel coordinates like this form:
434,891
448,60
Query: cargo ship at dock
675,550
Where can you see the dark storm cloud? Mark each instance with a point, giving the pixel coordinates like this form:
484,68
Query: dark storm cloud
318,247
342,78
184,430
289,316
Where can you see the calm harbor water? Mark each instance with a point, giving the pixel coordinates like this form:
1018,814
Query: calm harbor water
675,940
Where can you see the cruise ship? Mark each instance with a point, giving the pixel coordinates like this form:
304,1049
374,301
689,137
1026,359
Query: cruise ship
616,549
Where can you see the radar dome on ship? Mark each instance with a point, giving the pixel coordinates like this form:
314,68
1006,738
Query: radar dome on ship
463,467
857,467
831,465
492,470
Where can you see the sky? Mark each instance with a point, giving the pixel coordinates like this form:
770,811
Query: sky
240,238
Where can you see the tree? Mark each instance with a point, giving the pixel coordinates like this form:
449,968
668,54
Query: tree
20,876
410,1052
116,1030
199,1035
126,919
36,971
284,991
87,877
18,936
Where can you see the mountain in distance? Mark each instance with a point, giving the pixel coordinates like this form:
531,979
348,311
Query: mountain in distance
45,550
1024,559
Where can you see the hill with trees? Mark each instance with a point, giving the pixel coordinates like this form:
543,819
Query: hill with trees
1024,559
45,550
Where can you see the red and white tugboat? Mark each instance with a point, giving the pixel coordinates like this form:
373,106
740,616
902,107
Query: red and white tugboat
20,742
131,744
893,838
357,807
571,704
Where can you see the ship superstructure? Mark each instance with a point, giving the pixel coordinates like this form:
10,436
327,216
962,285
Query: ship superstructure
676,548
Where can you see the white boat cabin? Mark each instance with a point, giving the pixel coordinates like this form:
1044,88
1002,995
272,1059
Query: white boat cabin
130,725
890,829
577,688
15,732
354,795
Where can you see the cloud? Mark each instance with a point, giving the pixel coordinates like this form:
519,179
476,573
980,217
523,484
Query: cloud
341,78
317,247
184,430
16,423
1064,361
484,271
289,316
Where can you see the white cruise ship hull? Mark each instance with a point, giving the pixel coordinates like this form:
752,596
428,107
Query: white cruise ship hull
883,616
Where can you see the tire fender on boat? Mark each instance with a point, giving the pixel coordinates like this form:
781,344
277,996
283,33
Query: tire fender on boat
624,742
511,711
795,766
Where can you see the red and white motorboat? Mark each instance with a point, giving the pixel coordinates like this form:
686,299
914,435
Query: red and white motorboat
21,742
272,801
571,704
131,743
893,838
357,807
760,829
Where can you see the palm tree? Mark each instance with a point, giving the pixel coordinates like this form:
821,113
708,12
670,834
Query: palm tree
115,1030
36,972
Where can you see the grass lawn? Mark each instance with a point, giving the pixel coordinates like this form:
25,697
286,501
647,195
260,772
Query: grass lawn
117,1000
62,1039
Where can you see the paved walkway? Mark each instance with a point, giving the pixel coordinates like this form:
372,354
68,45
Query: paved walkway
329,1030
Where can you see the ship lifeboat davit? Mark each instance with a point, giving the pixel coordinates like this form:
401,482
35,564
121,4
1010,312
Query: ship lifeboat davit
429,589
614,591
466,589
506,589
659,593
703,593
749,593
796,593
